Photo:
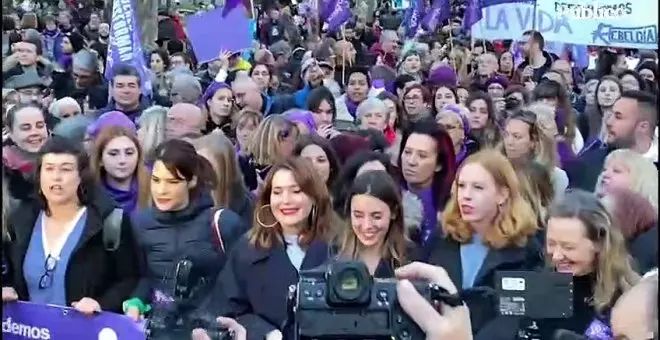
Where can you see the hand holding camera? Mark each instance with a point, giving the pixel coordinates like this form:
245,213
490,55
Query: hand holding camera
447,323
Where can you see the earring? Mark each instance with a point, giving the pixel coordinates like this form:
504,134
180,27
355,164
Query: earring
267,206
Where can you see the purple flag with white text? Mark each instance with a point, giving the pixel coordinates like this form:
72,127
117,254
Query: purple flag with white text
26,320
124,46
414,18
339,13
472,14
440,11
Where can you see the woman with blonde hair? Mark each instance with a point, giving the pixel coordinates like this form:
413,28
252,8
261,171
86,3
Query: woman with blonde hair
581,240
151,129
274,139
459,59
290,233
525,140
245,124
486,226
627,169
117,161
229,190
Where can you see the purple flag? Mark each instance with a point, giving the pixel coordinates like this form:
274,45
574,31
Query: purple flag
230,5
340,13
208,33
124,45
440,11
26,320
414,19
472,14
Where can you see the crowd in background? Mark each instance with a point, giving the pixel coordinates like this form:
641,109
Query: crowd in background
360,145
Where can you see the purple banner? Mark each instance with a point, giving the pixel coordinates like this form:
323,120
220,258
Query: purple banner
25,320
211,33
472,14
414,20
339,13
124,45
440,11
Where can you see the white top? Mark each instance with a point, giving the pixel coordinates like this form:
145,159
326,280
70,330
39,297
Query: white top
293,250
59,243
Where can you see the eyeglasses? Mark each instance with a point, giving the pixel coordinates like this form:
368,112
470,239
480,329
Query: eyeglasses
46,279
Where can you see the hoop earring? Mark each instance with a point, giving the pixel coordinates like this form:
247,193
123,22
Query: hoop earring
267,206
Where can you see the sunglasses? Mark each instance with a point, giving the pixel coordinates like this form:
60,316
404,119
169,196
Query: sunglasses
46,280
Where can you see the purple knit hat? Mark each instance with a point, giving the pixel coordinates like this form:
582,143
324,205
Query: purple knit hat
302,116
443,76
112,118
497,80
211,90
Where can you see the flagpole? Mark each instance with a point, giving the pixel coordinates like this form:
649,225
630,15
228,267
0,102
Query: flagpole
534,16
343,58
451,47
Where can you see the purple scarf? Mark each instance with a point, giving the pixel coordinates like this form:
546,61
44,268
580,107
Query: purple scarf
564,148
127,200
430,222
598,330
351,106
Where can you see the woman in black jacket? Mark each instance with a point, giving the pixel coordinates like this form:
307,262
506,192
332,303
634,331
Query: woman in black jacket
582,240
181,225
290,232
487,226
57,252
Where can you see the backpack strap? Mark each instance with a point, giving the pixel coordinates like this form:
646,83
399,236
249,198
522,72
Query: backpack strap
216,228
112,229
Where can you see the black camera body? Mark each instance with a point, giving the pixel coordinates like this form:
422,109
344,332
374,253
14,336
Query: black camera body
345,302
174,320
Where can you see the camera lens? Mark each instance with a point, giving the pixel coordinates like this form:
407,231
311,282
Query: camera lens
349,285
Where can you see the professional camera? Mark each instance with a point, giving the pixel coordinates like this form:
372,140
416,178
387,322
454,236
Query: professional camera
525,294
343,301
173,320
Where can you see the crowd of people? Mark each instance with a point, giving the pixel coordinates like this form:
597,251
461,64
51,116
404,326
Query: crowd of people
431,157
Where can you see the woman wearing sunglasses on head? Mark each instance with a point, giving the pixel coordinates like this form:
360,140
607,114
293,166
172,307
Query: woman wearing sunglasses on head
58,252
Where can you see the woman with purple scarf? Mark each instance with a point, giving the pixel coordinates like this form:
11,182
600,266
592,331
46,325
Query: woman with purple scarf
569,139
117,161
428,166
453,119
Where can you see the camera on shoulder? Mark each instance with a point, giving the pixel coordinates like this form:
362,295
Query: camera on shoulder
343,301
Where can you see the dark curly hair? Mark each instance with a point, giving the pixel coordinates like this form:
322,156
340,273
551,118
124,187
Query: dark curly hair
63,146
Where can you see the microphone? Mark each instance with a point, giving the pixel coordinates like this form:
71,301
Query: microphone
562,334
413,213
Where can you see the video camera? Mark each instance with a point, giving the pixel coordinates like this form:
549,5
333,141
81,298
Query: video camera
525,294
173,320
343,301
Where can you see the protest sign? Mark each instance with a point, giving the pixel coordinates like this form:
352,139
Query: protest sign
211,32
31,321
124,45
613,23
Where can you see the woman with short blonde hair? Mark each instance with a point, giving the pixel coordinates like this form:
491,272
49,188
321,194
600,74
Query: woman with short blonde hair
151,129
627,169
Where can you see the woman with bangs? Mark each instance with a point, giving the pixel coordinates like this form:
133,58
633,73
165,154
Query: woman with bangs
428,165
627,169
274,139
117,161
569,141
245,125
290,233
524,141
377,236
417,104
229,190
483,125
582,241
442,96
487,226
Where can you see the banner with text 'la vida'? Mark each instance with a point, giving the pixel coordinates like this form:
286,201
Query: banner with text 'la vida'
612,23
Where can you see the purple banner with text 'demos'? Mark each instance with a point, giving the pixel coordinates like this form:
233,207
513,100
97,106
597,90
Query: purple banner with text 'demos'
31,321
